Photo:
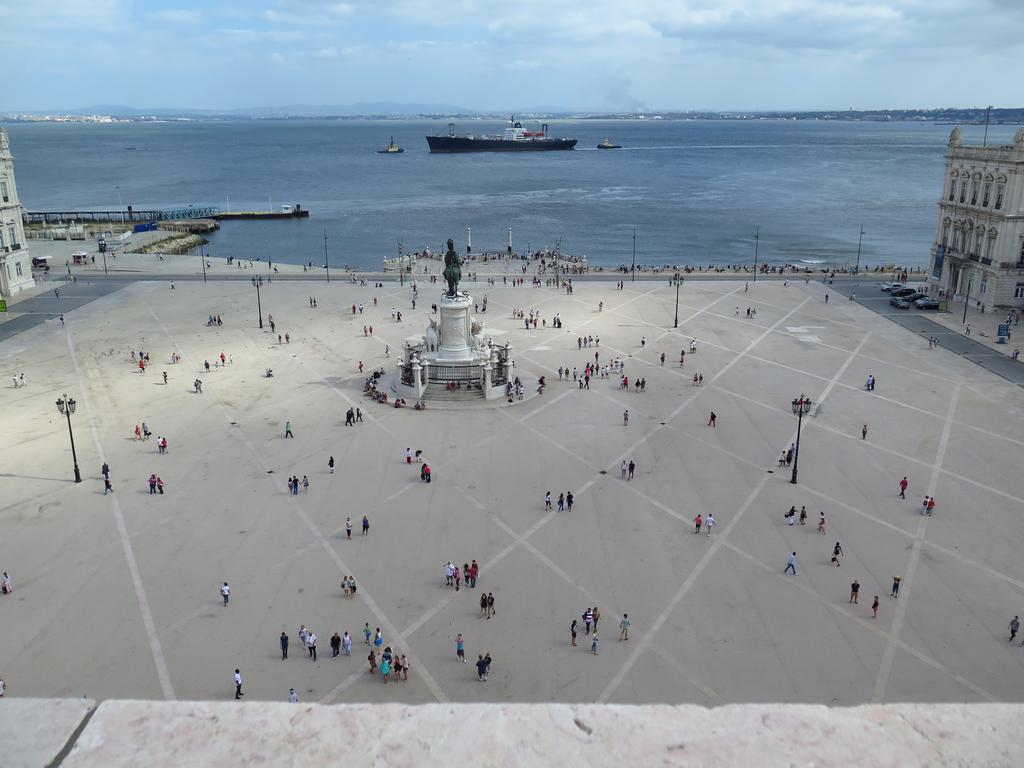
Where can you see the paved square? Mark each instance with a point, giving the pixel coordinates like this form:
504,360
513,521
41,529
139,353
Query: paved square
117,595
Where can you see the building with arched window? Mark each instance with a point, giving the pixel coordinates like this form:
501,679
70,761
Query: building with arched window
979,241
15,264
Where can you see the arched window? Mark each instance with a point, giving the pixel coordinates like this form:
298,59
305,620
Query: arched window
974,193
990,244
945,237
986,194
979,239
963,191
952,188
999,197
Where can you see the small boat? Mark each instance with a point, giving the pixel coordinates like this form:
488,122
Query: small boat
130,148
607,144
391,148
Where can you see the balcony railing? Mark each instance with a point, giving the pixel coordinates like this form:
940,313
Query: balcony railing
16,247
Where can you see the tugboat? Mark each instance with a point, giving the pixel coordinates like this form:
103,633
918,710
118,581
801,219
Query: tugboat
391,148
515,139
607,144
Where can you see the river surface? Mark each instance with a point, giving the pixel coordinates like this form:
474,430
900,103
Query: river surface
695,191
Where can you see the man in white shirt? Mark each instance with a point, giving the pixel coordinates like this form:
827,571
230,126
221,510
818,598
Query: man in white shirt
709,523
238,684
225,592
311,645
293,697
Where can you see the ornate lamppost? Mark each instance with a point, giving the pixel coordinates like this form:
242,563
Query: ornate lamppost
66,406
257,282
801,406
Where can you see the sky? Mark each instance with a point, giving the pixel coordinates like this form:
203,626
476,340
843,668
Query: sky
617,55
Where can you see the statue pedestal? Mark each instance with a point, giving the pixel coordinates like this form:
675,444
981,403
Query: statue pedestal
456,342
449,362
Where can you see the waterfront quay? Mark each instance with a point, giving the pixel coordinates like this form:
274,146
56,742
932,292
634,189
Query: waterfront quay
118,595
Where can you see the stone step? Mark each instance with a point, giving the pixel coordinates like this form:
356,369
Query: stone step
438,393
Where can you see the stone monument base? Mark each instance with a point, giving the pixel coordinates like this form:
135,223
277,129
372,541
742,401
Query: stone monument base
454,360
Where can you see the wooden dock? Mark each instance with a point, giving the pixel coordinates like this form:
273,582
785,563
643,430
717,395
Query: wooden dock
132,216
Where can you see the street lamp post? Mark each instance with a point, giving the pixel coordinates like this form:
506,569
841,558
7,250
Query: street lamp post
676,323
66,406
860,239
257,282
967,300
327,264
202,256
634,254
800,406
757,238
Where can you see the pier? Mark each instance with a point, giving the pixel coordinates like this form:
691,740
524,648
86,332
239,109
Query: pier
132,216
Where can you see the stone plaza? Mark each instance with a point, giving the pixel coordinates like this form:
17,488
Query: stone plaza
117,596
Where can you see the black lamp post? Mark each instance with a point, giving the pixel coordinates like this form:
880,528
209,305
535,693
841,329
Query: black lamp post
634,255
676,323
66,406
327,264
800,406
860,239
258,281
757,238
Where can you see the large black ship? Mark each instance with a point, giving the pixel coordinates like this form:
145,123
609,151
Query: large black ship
515,139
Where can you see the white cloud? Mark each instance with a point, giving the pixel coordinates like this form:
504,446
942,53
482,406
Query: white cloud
177,16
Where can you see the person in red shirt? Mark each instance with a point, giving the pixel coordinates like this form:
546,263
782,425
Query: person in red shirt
474,569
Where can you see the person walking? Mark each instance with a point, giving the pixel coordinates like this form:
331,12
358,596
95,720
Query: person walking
366,525
561,502
481,668
6,587
864,432
460,649
367,632
293,697
490,604
225,592
348,528
854,591
874,608
284,646
632,468
238,684
311,645
697,521
588,618
288,429
330,465
837,552
568,500
903,488
896,586
335,645
547,500
378,639
107,487
624,469
625,418
624,627
346,644
483,604
790,564
593,644
572,631
711,419
709,523
1014,627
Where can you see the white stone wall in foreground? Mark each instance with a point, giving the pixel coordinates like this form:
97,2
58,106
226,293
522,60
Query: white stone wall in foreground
40,732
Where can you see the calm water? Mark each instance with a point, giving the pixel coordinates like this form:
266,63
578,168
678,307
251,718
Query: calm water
695,191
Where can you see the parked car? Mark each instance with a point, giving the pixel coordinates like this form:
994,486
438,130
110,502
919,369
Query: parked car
927,303
903,292
899,303
891,286
915,296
